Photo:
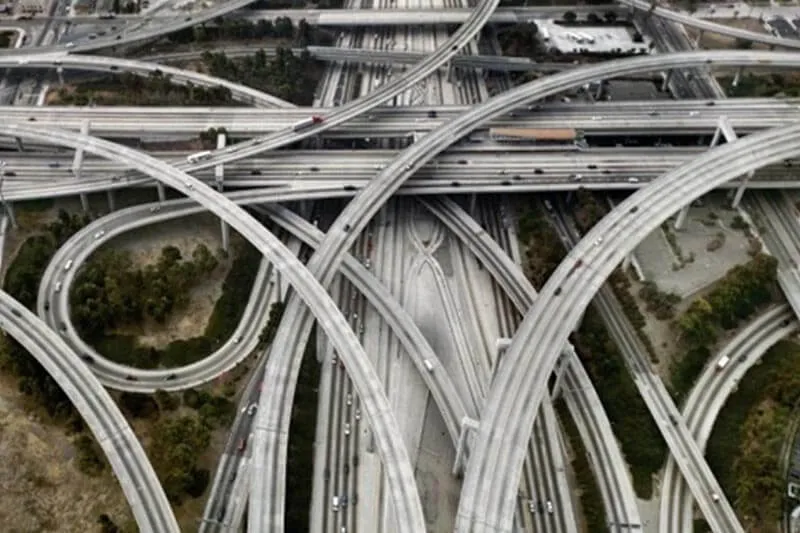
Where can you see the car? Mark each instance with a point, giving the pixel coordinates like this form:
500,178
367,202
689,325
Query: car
549,507
432,113
349,399
558,291
347,428
155,209
70,44
538,171
9,173
88,358
463,162
171,377
358,414
58,286
251,410
99,234
242,445
130,378
715,496
47,305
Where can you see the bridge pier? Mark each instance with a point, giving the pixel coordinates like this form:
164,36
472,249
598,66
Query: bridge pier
473,200
60,74
559,371
598,95
697,39
737,77
667,79
77,165
462,447
727,130
18,142
219,178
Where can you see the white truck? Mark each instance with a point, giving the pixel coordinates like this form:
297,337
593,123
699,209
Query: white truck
307,122
199,156
723,362
429,365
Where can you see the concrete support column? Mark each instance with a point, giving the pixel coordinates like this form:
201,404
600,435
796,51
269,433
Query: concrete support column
737,77
561,367
60,73
219,178
450,72
680,222
696,42
20,147
77,165
9,209
462,447
111,203
598,95
737,198
667,79
473,200
626,263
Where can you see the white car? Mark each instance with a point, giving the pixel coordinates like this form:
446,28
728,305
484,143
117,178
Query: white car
347,428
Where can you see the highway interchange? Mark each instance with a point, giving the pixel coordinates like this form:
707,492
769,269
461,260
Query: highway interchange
506,471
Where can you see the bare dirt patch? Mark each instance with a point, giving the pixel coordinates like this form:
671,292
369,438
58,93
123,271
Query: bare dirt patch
42,489
711,41
145,247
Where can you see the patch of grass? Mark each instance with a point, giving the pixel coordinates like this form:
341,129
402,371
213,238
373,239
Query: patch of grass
591,502
744,448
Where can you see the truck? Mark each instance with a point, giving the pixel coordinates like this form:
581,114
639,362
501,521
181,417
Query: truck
429,365
723,361
307,122
199,156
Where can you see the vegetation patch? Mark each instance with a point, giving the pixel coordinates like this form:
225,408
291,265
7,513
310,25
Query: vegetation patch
22,283
639,437
744,450
736,297
287,76
591,502
110,294
300,468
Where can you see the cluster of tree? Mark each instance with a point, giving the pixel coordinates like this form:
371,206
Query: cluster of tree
275,315
639,436
130,89
175,452
89,458
181,439
107,525
544,250
588,210
300,466
224,319
744,450
592,19
286,76
109,292
764,85
743,290
521,40
241,29
640,439
735,298
129,7
591,503
22,282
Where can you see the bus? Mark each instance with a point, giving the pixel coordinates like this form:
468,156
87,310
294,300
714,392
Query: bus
554,138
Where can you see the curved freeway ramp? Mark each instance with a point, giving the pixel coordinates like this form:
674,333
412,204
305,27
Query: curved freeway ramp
38,60
605,455
140,485
710,26
389,442
708,397
520,383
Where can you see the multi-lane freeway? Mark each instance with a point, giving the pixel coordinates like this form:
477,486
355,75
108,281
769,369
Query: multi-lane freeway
492,497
